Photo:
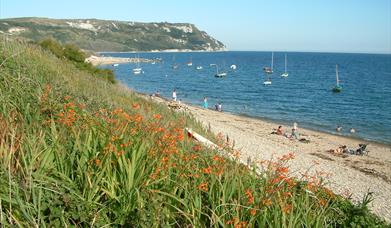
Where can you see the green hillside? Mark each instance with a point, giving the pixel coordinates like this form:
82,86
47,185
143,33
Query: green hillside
79,151
102,35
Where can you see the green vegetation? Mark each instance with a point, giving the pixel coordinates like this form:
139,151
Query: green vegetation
101,35
77,150
77,57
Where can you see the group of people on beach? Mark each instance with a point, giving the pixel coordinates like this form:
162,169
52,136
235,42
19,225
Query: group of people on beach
339,129
294,134
218,106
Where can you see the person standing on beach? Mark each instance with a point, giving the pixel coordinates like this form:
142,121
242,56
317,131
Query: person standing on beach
219,107
205,102
174,95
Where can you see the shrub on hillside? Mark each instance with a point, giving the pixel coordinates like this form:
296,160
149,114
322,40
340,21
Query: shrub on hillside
73,53
77,57
52,46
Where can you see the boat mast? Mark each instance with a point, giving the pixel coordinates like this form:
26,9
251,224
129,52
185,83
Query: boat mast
217,69
285,62
272,61
336,73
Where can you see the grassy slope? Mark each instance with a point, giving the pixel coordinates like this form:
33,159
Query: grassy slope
75,149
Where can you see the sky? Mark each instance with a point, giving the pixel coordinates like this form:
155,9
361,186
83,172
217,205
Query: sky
354,26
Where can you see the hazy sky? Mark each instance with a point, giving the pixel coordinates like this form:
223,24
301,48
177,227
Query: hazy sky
279,25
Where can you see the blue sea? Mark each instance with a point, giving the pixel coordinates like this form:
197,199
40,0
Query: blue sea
304,97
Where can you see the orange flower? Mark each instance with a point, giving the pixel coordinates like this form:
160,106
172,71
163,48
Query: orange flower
287,157
253,212
207,170
97,162
287,208
267,202
287,194
322,202
282,170
157,116
197,147
203,187
250,197
136,106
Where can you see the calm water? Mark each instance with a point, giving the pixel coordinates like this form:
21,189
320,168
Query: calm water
305,96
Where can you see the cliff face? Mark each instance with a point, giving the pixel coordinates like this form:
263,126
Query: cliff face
103,35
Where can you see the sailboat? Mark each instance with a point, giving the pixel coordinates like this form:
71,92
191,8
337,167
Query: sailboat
219,74
285,74
268,81
138,69
269,70
337,87
174,65
190,63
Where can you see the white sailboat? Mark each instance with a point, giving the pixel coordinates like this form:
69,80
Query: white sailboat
269,70
219,74
138,69
174,65
190,63
268,81
337,87
285,74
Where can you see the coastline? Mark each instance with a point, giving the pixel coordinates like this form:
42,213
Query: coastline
163,51
107,60
351,176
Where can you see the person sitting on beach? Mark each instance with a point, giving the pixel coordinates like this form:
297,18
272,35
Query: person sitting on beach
157,94
338,129
295,133
219,107
216,107
279,131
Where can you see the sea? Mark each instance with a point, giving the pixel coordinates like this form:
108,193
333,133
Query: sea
305,96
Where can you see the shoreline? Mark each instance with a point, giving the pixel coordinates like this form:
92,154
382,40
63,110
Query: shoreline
162,51
351,176
281,122
107,60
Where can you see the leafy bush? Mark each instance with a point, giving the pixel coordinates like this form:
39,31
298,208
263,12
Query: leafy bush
77,57
73,53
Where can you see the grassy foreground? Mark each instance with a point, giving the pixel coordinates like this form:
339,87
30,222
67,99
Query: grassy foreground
78,150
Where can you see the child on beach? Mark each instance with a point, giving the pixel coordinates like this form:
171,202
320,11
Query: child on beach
205,102
174,95
295,134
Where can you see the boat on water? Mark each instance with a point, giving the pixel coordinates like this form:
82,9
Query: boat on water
115,64
267,82
218,74
233,67
199,67
285,74
269,70
174,65
138,69
337,88
190,63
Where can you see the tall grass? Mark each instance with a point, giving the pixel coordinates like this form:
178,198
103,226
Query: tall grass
77,150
